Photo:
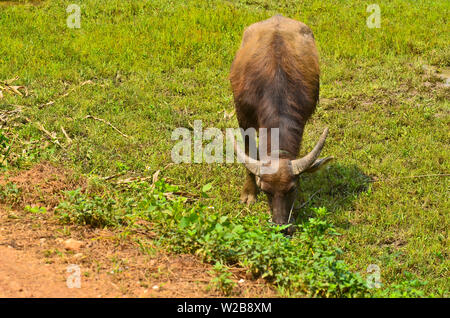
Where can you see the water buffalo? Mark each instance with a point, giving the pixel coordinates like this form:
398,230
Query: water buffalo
275,83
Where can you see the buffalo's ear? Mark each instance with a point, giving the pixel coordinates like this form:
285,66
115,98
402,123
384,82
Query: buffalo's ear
319,164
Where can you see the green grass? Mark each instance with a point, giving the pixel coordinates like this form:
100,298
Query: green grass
158,65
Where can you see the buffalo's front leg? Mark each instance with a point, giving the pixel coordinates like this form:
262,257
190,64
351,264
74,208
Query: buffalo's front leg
249,191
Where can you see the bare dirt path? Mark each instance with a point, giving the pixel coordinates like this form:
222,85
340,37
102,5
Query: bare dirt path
22,275
36,252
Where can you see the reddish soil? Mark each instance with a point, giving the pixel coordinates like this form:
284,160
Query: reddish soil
34,257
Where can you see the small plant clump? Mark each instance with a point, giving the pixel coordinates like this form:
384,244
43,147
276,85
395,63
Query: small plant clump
10,193
35,209
95,211
222,280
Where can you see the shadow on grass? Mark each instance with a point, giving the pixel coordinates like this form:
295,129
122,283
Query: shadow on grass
334,188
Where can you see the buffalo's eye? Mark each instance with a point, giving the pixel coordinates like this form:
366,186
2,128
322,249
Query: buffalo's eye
291,189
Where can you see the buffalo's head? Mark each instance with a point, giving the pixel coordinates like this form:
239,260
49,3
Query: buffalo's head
278,179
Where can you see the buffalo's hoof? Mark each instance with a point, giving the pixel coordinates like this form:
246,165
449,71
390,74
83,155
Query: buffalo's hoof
248,198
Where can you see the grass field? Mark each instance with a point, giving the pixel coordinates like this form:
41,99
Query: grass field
148,67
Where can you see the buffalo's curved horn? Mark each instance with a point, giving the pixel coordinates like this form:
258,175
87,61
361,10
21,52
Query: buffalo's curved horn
252,165
302,164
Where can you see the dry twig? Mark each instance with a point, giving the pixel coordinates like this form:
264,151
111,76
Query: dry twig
65,94
113,176
51,136
107,123
134,179
309,199
69,140
12,89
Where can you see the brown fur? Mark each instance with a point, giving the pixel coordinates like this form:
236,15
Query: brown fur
275,79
